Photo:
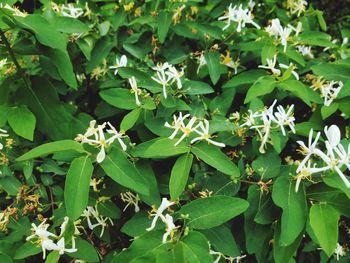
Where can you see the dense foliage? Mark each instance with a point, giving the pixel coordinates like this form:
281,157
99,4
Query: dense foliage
173,131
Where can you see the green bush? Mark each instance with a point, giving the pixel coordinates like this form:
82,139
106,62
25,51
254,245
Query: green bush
174,131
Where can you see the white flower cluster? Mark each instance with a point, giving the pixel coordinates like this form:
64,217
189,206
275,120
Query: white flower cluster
99,139
271,65
262,122
297,6
305,51
166,74
91,212
334,158
329,89
167,219
3,133
201,129
45,238
71,11
339,251
240,15
282,33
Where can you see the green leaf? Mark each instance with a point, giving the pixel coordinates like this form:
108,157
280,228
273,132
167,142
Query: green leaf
44,32
324,223
61,60
22,121
244,78
321,20
294,209
174,255
120,98
159,148
213,63
70,25
121,170
164,22
213,211
333,71
316,38
283,254
335,181
267,165
196,248
101,50
26,250
213,156
192,87
179,175
327,111
264,85
85,251
300,90
77,186
222,239
52,257
51,147
130,119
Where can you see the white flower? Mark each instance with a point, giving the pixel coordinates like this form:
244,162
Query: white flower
284,35
187,130
333,135
271,65
3,133
71,11
158,213
3,62
283,118
62,249
170,226
175,75
240,16
119,64
201,61
135,89
274,28
226,259
115,136
339,251
15,10
297,6
91,212
177,124
280,32
130,199
204,134
161,78
305,51
329,92
262,122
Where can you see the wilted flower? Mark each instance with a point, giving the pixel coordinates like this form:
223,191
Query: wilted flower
130,199
92,213
297,6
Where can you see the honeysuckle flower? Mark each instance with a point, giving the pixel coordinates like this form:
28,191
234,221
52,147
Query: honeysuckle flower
175,75
101,142
333,135
271,65
92,213
227,259
297,6
305,51
284,35
240,15
62,249
251,4
15,10
115,136
40,231
130,199
71,11
163,80
3,133
170,227
280,32
187,130
227,60
330,91
308,150
158,213
274,28
283,118
291,65
339,251
262,122
3,62
119,64
201,62
204,134
177,124
135,90
306,173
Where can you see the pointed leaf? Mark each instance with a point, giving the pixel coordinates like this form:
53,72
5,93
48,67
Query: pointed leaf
22,121
213,63
179,175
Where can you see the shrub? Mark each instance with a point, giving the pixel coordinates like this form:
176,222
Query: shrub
173,131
